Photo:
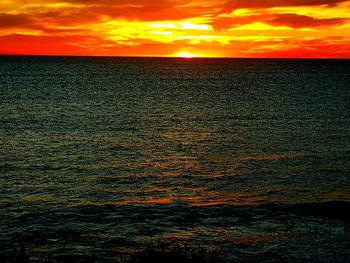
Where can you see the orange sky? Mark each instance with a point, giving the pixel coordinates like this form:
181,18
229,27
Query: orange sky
217,28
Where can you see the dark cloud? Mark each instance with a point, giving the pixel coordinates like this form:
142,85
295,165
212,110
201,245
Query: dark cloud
300,21
153,12
14,20
228,22
96,11
236,4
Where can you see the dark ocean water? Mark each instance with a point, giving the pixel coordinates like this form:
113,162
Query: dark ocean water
250,159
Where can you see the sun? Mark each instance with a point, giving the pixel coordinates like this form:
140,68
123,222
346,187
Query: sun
185,55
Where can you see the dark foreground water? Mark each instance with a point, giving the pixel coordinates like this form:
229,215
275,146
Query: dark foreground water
249,159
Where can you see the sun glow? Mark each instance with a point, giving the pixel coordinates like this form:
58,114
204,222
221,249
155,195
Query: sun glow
185,55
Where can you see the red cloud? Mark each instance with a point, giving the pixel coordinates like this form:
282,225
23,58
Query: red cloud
290,20
318,48
48,45
77,45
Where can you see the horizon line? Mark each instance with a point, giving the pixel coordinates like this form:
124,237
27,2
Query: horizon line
171,57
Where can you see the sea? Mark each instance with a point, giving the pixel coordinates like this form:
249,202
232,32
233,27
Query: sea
246,159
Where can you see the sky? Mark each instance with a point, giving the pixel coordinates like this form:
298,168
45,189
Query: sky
176,28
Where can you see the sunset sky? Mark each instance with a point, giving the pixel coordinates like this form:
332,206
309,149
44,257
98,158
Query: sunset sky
217,28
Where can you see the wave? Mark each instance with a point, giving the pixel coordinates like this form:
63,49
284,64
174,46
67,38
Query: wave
328,209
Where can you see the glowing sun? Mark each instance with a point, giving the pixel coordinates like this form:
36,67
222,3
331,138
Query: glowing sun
186,55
